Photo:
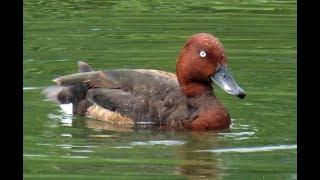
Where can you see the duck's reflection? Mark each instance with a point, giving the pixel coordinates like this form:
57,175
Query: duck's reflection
204,165
194,163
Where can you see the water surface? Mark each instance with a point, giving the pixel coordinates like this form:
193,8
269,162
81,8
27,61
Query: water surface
260,41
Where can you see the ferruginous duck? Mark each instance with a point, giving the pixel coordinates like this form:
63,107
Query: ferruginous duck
131,96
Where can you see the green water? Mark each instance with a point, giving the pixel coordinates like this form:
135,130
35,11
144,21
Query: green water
260,41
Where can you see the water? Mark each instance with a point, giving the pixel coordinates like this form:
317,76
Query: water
260,41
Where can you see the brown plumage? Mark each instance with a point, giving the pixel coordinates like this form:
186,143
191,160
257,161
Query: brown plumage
141,95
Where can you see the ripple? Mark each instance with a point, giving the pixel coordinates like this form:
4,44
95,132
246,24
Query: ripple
62,60
32,88
65,145
83,151
238,134
66,135
66,119
103,136
95,29
164,142
35,155
251,149
75,157
122,147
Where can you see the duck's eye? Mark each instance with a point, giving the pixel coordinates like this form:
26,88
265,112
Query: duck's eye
203,54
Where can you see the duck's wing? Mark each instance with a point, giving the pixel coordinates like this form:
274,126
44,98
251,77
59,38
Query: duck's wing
126,79
133,80
137,107
110,99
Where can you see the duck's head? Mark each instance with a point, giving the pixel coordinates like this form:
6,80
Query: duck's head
202,61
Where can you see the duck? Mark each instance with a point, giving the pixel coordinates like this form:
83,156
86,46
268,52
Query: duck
181,100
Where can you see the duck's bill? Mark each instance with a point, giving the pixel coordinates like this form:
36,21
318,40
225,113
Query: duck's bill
225,80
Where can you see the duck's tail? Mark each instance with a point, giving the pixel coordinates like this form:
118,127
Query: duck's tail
72,99
84,67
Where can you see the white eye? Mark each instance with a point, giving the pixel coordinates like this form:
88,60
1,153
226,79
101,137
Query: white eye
202,54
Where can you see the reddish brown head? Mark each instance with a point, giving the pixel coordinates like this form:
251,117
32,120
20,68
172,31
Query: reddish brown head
201,61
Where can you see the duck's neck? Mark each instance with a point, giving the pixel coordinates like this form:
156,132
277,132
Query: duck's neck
210,113
196,89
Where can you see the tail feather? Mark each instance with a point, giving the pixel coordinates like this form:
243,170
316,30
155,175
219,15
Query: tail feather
72,99
52,93
69,97
84,67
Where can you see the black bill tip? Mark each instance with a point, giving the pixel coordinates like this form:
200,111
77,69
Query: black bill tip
241,95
